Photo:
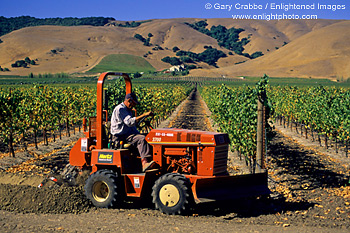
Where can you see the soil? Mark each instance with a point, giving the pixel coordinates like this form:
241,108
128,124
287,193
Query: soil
192,115
308,185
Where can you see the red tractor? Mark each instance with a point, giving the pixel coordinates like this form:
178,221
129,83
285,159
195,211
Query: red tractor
192,166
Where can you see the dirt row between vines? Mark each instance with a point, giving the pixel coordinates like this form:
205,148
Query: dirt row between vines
308,193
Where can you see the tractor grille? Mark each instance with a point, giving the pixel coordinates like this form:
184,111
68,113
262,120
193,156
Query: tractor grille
220,159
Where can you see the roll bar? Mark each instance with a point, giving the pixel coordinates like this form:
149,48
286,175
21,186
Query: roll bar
99,103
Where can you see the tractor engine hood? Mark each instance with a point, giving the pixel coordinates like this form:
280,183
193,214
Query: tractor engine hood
185,137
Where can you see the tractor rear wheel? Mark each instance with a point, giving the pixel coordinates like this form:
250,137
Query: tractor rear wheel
101,188
172,194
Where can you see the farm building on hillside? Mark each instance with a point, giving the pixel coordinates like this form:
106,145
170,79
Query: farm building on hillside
177,68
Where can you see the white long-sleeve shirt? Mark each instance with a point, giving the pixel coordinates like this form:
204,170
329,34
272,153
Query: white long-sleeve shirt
123,123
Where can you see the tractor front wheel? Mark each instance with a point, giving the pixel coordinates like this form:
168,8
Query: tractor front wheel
172,194
101,188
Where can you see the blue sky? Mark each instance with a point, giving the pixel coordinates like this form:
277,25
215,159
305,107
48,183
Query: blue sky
155,9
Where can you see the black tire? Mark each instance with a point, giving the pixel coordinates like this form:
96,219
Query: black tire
101,188
172,194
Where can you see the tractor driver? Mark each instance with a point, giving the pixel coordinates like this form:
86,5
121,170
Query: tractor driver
123,128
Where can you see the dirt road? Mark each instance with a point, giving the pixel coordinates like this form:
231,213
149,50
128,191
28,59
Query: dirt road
308,196
192,115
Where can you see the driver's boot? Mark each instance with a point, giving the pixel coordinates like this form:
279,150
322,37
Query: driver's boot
148,165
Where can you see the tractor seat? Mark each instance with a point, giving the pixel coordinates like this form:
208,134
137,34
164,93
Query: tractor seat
132,149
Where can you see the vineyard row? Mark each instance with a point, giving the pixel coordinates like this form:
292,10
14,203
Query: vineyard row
235,112
308,133
42,109
324,111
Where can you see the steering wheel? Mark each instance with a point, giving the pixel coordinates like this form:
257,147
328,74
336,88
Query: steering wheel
146,124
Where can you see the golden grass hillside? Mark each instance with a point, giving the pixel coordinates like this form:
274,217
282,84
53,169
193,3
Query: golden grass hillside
316,48
322,53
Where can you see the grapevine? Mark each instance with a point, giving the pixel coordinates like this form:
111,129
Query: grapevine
325,110
235,111
28,111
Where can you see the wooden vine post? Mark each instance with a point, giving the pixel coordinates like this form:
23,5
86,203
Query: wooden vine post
260,153
261,121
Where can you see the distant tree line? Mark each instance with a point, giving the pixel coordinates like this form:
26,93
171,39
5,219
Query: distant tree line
210,56
132,24
8,25
50,76
227,38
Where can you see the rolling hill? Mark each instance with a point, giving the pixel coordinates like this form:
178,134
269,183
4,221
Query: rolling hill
292,48
125,63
